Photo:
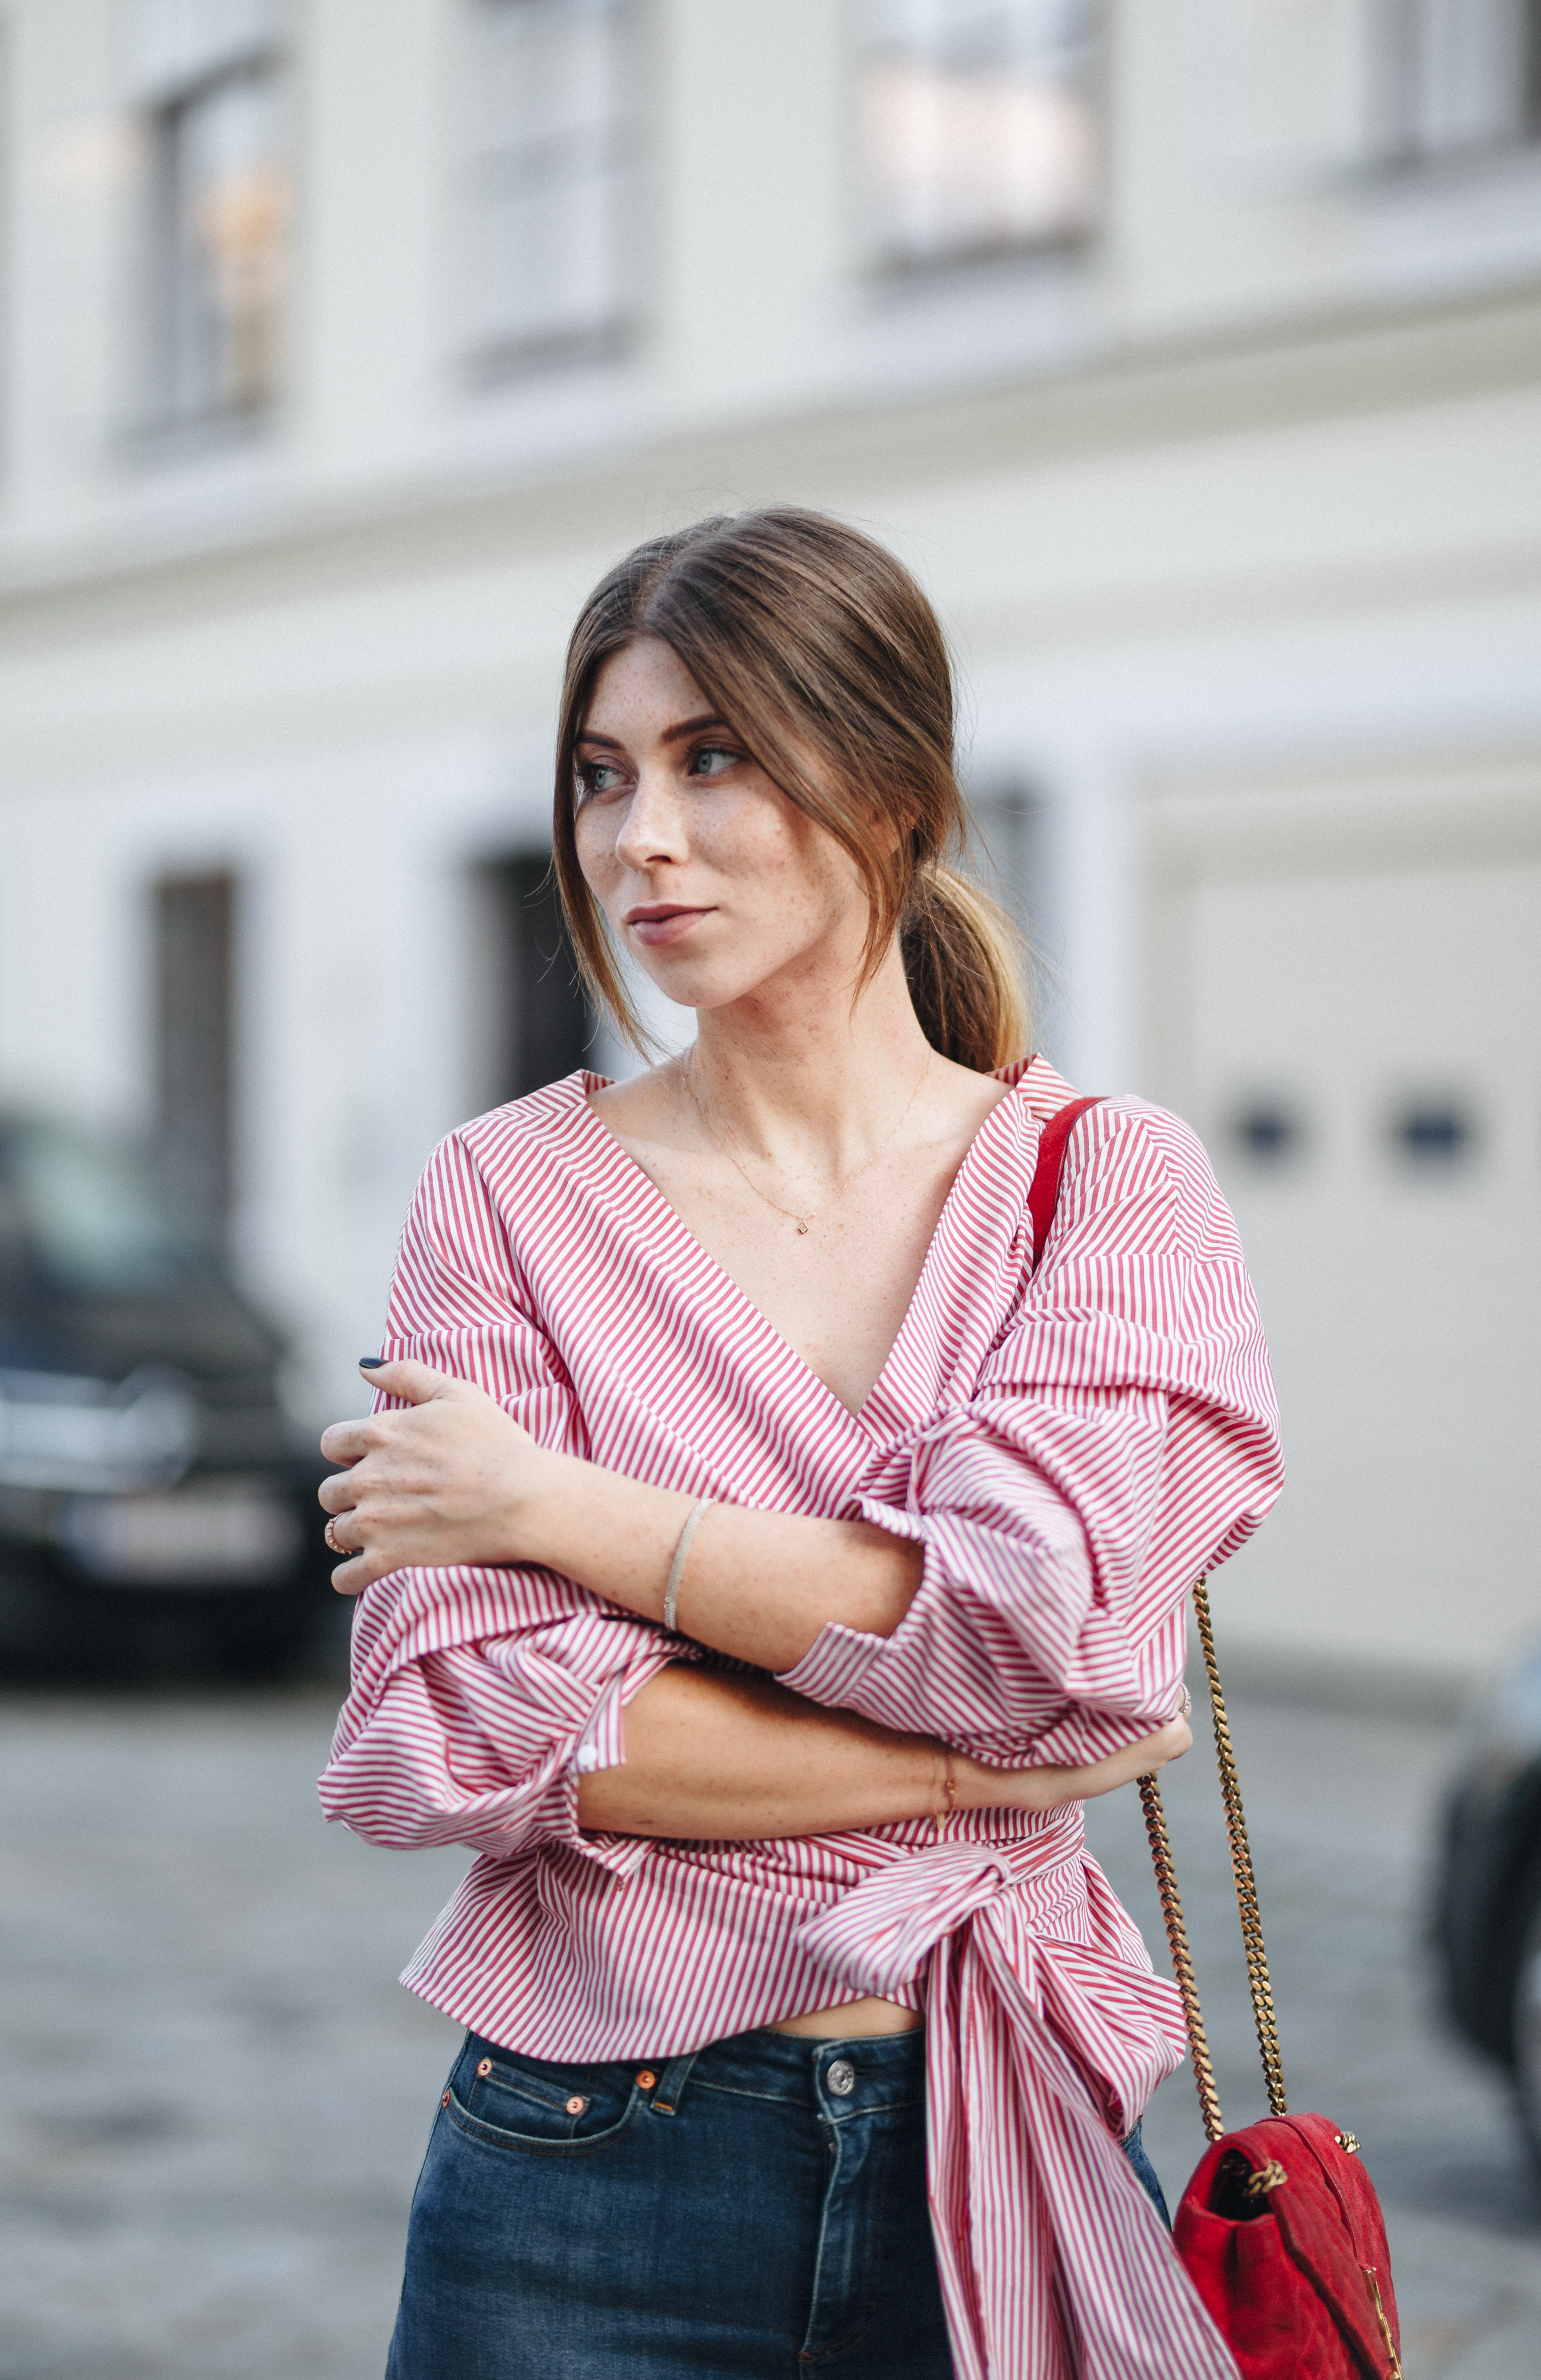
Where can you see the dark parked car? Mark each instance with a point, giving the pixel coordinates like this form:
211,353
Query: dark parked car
1487,1891
157,1511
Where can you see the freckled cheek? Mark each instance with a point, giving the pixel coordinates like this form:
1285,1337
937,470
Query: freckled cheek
757,851
595,854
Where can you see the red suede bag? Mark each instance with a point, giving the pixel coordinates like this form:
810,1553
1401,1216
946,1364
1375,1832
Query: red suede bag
1291,2257
1280,2229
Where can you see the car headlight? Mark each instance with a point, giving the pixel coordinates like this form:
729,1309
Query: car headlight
57,1431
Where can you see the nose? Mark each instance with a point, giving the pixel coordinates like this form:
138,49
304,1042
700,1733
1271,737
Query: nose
653,829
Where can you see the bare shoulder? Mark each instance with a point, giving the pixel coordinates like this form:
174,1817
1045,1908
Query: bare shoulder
643,1111
956,1100
974,1094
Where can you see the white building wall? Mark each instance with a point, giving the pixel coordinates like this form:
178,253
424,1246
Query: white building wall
1231,500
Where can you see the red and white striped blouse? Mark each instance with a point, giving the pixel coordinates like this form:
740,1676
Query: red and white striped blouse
1070,1445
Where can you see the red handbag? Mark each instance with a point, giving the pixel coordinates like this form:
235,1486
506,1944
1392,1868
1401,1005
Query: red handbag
1280,2229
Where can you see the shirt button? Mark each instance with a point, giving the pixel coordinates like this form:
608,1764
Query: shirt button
842,2078
576,2105
647,2079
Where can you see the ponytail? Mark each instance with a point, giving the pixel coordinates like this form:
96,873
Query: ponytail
963,962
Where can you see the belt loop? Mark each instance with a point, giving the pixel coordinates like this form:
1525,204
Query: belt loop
670,2089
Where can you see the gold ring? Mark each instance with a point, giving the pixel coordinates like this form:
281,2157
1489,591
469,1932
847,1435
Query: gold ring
329,1532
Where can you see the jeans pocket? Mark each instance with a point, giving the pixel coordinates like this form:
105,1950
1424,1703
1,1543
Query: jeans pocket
536,2106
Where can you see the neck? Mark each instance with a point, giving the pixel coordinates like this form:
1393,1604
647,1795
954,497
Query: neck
820,1078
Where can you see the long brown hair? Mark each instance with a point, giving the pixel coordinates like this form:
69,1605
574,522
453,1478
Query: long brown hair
818,647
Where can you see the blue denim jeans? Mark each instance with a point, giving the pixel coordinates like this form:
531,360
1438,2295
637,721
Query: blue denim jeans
755,2209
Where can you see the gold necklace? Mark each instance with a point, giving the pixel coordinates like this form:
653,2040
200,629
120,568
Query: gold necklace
803,1221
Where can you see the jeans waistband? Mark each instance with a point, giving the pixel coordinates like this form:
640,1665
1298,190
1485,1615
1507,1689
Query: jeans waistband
837,2078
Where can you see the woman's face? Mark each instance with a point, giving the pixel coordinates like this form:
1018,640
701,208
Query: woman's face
710,878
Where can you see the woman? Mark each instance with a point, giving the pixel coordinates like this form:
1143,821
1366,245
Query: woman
765,1554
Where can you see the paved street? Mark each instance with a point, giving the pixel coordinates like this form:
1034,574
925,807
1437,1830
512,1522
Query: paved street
214,2095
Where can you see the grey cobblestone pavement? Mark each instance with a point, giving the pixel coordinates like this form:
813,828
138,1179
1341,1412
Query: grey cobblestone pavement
214,2095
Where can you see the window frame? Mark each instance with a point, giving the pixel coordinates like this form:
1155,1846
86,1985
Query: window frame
896,266
164,107
1398,144
492,360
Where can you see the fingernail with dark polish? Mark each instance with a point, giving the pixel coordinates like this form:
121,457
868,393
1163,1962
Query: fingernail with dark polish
370,1363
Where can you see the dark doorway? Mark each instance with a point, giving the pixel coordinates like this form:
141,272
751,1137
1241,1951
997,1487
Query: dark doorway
194,998
534,1017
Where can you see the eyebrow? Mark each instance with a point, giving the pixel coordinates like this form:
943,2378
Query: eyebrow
671,734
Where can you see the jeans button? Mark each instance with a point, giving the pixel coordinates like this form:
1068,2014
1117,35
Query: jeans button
842,2078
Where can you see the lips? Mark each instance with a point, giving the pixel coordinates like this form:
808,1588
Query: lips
657,923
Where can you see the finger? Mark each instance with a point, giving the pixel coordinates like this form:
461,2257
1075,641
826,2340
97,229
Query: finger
414,1383
346,1441
337,1494
337,1541
360,1569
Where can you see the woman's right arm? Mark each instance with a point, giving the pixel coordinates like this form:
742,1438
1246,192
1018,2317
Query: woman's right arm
724,1758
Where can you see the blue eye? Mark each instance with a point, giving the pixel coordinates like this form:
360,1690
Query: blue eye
711,760
595,777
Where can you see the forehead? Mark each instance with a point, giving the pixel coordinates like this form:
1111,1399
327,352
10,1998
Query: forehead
640,690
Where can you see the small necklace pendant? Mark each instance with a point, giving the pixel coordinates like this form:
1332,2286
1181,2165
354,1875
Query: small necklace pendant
803,1228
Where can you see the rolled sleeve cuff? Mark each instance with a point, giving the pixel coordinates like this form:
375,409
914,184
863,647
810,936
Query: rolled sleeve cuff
958,1666
834,1668
601,1744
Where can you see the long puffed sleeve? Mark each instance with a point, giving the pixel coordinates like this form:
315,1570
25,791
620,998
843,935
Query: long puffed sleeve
481,1697
1121,1437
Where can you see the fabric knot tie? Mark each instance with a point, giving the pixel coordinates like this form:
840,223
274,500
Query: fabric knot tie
877,1936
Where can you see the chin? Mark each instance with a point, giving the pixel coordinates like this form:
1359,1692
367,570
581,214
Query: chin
693,982
683,991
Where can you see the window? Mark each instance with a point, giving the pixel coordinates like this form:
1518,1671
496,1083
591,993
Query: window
212,87
532,1022
978,126
195,995
1432,1131
1267,1129
1455,75
550,181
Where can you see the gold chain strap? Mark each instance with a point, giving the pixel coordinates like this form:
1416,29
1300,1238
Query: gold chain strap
1247,1901
1182,1960
1241,1865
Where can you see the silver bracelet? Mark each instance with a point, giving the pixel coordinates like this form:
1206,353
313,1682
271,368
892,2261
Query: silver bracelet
672,1592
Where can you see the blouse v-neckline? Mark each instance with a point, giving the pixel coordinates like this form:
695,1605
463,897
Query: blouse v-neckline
677,1232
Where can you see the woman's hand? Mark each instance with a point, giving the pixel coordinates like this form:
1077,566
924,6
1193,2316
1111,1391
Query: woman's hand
454,1480
445,1481
1045,1789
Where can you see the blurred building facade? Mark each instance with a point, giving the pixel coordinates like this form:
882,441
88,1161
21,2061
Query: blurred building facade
1190,350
